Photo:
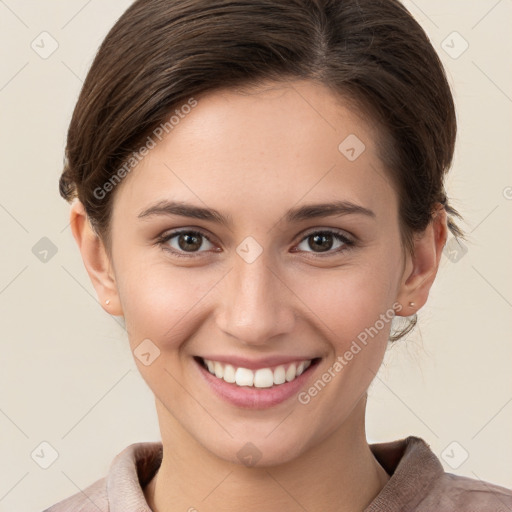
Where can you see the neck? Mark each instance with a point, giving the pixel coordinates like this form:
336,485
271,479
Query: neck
340,474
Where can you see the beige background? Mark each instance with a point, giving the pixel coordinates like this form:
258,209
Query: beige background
66,373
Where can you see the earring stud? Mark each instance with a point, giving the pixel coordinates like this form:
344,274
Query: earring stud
412,304
107,302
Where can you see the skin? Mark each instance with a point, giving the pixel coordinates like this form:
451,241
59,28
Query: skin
253,157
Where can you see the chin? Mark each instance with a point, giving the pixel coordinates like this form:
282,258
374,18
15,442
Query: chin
258,450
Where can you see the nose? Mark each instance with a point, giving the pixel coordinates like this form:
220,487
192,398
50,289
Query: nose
256,304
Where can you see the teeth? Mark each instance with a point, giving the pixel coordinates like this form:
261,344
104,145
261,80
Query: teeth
291,373
279,375
264,378
244,377
229,374
261,378
219,370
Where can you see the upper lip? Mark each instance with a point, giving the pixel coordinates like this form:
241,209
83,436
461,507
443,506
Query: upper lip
254,364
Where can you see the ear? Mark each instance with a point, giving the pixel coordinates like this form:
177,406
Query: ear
95,258
421,267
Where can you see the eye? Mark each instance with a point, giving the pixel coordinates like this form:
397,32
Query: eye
187,241
322,241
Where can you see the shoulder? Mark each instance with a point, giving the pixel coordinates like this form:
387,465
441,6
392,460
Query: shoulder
419,483
451,492
92,499
122,487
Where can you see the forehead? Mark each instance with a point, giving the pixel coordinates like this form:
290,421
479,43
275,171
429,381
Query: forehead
262,147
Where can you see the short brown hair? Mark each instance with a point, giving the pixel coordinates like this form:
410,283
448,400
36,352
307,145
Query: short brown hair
372,52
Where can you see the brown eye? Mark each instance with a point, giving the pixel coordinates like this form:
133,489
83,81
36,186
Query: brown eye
323,241
187,242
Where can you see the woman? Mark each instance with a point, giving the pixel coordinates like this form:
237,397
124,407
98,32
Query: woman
257,188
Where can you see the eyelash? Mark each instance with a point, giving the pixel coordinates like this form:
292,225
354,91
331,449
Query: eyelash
163,239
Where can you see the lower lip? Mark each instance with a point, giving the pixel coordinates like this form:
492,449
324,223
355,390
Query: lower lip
255,398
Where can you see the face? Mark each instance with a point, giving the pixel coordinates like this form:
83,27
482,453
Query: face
274,282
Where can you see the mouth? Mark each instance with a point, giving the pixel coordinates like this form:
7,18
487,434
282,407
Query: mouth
258,388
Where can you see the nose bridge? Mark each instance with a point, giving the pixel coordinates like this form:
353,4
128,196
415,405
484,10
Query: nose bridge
255,307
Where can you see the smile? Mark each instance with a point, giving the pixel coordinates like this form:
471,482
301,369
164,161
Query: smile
260,378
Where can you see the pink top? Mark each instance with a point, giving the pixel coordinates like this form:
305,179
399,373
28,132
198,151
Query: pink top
418,483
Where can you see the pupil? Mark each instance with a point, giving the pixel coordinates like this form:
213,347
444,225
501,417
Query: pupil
317,240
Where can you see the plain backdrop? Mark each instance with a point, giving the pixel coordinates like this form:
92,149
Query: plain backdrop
67,377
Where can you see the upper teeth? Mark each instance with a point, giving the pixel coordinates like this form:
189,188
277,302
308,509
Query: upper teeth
261,378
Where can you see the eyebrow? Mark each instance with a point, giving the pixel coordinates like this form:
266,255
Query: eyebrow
305,212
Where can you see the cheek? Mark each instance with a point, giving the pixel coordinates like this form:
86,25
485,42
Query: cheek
161,301
349,301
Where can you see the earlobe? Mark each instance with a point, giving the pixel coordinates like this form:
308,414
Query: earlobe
421,267
95,258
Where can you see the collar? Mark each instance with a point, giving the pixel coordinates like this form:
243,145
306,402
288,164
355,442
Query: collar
410,462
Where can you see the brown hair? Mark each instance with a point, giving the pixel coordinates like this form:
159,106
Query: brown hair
373,53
